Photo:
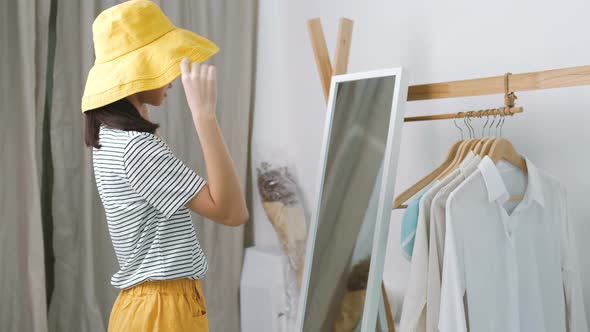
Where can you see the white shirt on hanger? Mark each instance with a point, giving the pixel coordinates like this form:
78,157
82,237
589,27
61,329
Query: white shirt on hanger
437,240
413,318
515,266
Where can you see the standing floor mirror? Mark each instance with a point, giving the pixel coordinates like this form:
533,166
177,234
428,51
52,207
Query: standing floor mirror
341,289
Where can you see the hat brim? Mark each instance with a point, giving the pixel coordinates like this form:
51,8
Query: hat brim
149,67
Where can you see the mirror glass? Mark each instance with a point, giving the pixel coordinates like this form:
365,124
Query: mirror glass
346,214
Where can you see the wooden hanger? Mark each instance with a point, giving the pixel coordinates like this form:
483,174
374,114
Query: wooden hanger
488,144
461,153
487,147
502,149
479,148
456,154
482,147
493,147
467,146
502,112
428,179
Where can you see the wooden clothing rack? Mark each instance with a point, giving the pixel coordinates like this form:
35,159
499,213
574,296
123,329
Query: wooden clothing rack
548,79
507,84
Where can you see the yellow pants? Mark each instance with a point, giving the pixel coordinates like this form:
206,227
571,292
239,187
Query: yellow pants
161,306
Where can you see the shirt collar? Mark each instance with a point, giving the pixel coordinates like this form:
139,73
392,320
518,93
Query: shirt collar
497,189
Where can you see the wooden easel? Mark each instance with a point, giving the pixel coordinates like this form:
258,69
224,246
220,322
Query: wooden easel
326,71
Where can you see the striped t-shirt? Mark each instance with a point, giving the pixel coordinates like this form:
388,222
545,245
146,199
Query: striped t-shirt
143,188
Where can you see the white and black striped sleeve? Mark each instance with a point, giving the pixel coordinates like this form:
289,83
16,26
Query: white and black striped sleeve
163,180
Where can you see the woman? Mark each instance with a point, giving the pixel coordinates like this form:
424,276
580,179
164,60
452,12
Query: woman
146,191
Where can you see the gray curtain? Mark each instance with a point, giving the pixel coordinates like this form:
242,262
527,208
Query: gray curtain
84,258
23,52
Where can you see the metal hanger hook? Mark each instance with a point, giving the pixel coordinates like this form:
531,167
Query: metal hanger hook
466,125
492,125
506,112
483,128
455,122
498,126
471,129
485,113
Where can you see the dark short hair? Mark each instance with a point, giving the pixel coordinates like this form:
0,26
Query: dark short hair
118,115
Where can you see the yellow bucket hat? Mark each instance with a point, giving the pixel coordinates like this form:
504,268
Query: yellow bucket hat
137,49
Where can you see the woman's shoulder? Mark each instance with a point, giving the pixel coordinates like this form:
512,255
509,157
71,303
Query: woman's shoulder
143,142
130,141
130,134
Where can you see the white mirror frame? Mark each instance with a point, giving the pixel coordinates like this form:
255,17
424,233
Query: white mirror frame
373,294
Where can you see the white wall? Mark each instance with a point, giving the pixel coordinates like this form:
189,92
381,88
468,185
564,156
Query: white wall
435,41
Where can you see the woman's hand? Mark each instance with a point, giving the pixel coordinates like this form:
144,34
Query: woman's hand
221,200
200,86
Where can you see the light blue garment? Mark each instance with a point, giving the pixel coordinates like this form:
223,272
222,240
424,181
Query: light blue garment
409,223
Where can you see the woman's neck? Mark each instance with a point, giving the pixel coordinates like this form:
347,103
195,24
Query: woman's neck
139,106
134,100
142,109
